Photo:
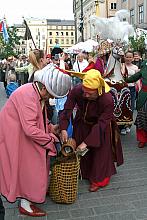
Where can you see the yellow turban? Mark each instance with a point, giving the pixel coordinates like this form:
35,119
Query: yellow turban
92,79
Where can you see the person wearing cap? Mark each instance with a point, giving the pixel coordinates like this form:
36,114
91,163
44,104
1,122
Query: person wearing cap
94,127
25,151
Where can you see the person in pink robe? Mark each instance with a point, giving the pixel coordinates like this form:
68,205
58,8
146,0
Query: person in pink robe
27,141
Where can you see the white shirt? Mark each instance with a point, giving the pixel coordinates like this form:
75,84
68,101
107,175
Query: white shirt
132,69
82,65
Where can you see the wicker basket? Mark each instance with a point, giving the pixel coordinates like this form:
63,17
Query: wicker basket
64,179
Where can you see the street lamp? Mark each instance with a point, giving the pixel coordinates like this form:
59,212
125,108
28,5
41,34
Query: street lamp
75,18
107,8
38,38
81,27
97,8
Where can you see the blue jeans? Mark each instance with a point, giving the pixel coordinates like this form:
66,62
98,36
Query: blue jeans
133,96
54,119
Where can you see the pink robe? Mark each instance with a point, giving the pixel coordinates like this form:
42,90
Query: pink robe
24,163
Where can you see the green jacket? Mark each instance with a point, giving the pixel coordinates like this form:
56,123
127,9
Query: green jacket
142,74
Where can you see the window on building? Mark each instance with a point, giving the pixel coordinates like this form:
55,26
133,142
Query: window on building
66,33
141,14
57,33
43,37
36,37
67,41
50,33
71,33
56,41
51,41
72,41
23,50
62,34
113,5
17,50
62,41
132,14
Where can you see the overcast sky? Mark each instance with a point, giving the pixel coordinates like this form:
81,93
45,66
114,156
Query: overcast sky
14,10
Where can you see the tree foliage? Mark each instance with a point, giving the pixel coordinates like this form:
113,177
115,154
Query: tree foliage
138,43
9,48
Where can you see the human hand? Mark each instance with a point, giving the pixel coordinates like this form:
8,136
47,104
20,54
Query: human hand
55,129
81,147
54,138
62,56
91,60
64,136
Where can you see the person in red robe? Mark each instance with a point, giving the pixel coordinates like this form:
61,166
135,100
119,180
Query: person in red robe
94,127
95,63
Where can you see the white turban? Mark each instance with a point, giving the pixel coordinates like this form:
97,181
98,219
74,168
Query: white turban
56,82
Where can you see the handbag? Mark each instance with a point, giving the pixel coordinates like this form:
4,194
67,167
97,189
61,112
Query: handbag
64,178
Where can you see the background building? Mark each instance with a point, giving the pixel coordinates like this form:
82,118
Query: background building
138,11
61,32
83,9
22,48
46,33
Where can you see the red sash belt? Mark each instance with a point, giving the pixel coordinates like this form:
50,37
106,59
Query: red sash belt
144,88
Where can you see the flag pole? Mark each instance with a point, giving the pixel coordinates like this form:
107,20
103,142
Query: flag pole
28,34
24,36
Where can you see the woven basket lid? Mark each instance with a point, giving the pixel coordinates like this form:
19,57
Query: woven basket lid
68,147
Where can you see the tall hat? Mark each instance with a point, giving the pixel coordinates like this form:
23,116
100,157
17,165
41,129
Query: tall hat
56,82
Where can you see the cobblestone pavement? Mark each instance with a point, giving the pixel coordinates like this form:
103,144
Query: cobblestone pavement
124,199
